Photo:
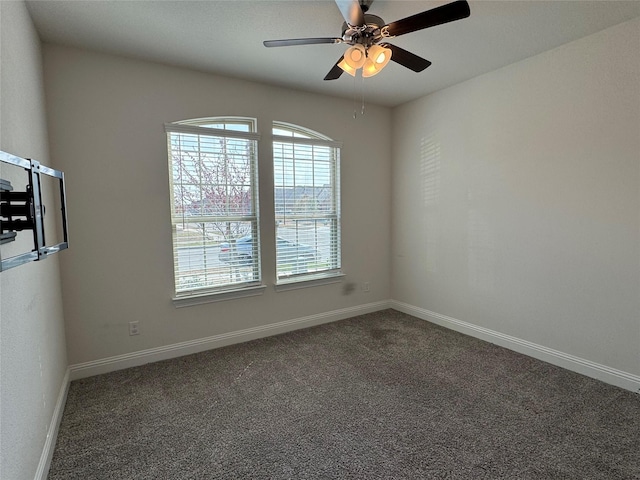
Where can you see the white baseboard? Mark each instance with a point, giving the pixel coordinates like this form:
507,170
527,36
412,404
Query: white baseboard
52,433
591,369
134,359
82,370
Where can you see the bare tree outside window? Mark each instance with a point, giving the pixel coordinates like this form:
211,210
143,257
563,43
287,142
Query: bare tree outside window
214,184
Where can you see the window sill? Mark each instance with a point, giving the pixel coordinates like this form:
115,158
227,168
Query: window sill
210,297
295,284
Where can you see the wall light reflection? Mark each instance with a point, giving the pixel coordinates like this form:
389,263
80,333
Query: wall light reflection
430,178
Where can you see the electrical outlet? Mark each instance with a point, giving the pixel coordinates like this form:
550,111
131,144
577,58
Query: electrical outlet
366,287
134,328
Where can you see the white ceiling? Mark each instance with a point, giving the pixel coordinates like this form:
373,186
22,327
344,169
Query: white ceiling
225,37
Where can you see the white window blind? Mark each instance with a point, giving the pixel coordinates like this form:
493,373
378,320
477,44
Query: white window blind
214,213
307,204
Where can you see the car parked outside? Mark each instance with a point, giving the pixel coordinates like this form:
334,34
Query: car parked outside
298,255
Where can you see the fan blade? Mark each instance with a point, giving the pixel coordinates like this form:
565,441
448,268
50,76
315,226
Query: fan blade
300,41
351,12
407,59
436,16
335,72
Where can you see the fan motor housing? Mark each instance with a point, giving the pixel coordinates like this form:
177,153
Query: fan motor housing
367,35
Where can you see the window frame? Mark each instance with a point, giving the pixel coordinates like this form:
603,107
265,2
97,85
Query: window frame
299,135
202,127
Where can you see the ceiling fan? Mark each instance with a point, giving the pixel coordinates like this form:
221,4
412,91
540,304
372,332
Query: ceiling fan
367,36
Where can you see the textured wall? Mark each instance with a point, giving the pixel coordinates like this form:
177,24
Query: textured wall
32,345
106,117
516,200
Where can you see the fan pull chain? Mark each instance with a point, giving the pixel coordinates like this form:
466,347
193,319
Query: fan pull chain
355,115
362,92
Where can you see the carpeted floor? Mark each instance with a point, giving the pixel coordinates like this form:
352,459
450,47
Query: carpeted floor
379,396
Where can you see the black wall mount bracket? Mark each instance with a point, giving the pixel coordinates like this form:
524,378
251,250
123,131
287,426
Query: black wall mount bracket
25,210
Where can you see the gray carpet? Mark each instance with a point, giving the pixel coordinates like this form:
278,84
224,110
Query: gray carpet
379,396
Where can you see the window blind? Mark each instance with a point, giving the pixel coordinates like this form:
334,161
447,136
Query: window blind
214,213
307,205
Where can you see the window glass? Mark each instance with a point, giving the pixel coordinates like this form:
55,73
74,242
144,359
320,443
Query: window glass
213,205
307,204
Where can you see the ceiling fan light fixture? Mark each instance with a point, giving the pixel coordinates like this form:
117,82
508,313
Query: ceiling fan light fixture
355,56
369,69
377,58
380,56
362,32
345,66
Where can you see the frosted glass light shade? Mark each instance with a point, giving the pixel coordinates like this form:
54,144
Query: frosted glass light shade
344,66
369,69
380,56
377,59
355,56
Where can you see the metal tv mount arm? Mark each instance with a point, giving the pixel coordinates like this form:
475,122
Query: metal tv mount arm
25,211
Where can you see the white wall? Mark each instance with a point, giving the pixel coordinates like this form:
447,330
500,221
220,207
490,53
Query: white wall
516,200
106,117
32,346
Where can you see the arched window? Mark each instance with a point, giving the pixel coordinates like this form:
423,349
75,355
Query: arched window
214,213
306,171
